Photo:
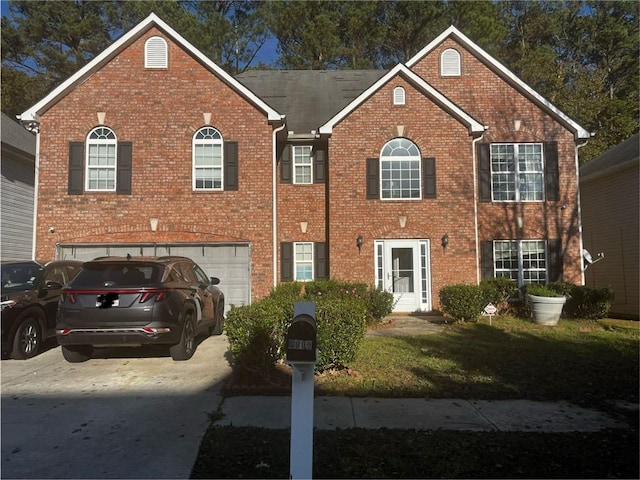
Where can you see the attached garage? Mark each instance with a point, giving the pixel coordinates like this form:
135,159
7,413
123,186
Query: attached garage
230,262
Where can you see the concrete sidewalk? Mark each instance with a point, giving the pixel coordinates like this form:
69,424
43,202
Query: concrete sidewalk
332,413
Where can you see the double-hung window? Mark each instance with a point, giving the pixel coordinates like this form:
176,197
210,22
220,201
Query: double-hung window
303,261
517,173
522,260
101,160
207,159
400,170
302,164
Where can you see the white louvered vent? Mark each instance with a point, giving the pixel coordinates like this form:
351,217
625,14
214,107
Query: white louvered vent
399,96
450,63
155,53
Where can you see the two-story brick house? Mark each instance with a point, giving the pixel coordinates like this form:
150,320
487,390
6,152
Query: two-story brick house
446,169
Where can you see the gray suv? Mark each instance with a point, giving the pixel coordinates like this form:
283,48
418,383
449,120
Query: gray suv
132,301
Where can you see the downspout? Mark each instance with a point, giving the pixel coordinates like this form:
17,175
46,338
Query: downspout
577,161
274,209
35,128
475,204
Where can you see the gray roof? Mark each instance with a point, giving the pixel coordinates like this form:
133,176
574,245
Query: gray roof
308,98
623,153
16,136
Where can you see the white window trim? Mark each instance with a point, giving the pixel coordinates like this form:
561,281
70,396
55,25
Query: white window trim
399,159
399,96
450,63
156,53
296,262
517,173
295,165
519,250
194,169
88,168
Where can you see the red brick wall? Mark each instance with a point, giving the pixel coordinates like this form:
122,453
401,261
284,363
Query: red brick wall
158,111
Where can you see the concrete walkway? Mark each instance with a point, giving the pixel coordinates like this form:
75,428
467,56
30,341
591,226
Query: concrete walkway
332,413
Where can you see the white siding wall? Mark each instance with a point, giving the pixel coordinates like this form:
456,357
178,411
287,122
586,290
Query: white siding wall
17,198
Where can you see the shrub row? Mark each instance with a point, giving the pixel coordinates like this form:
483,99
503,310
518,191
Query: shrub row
257,332
465,303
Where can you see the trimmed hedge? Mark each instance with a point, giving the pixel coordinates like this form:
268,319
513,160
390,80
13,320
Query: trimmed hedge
257,332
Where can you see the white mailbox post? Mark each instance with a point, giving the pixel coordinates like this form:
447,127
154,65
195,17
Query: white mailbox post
302,356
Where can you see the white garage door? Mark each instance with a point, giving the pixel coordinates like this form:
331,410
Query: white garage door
231,263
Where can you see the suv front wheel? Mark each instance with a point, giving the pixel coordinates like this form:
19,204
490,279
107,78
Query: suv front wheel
186,347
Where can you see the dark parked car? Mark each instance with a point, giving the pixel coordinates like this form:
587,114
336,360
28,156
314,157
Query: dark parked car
133,301
29,300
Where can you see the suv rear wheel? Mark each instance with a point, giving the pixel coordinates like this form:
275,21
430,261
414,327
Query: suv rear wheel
186,347
77,353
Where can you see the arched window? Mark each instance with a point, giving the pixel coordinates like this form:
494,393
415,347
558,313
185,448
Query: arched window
450,63
207,159
399,96
400,170
156,53
101,160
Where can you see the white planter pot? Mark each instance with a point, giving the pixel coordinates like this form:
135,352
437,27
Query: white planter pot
546,310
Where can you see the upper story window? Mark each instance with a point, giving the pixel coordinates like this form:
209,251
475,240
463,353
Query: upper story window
517,173
450,63
101,162
207,159
400,170
522,260
156,53
399,96
302,164
303,261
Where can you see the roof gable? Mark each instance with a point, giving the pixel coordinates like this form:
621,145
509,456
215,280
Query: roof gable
33,114
506,74
446,104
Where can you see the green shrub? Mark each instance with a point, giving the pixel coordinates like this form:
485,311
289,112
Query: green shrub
462,302
590,303
498,291
540,290
379,304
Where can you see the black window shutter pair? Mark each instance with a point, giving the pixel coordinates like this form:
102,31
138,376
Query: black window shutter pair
76,168
286,261
551,174
555,262
428,178
319,165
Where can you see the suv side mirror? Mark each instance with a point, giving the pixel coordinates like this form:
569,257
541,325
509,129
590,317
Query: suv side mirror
214,280
51,285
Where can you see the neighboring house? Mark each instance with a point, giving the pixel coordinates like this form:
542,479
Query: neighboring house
446,169
17,191
610,200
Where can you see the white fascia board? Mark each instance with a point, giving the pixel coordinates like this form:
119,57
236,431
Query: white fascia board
441,100
578,131
34,112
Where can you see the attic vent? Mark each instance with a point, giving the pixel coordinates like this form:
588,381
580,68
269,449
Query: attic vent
450,63
155,53
398,96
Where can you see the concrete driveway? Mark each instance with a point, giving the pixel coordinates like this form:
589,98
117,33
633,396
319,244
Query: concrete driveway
129,413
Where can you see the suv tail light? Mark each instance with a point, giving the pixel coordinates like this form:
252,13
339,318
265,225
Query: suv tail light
149,294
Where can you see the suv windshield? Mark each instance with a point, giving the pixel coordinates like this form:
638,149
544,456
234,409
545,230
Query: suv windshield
17,276
117,274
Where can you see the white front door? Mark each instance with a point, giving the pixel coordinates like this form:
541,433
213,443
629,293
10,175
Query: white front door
402,267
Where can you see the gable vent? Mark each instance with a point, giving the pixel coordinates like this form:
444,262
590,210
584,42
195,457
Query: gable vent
450,63
155,53
399,96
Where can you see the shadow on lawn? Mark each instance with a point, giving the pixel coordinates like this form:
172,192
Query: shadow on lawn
492,363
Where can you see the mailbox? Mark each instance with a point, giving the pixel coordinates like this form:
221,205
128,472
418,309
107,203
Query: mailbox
301,337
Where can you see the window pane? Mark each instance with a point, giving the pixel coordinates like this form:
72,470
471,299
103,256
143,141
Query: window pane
302,164
303,258
517,172
207,159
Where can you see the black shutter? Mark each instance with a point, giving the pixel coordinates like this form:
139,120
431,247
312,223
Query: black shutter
429,177
551,174
75,182
373,178
320,260
286,261
486,252
231,166
286,168
484,171
319,166
125,160
554,247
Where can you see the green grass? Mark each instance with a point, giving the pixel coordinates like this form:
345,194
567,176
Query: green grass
586,362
